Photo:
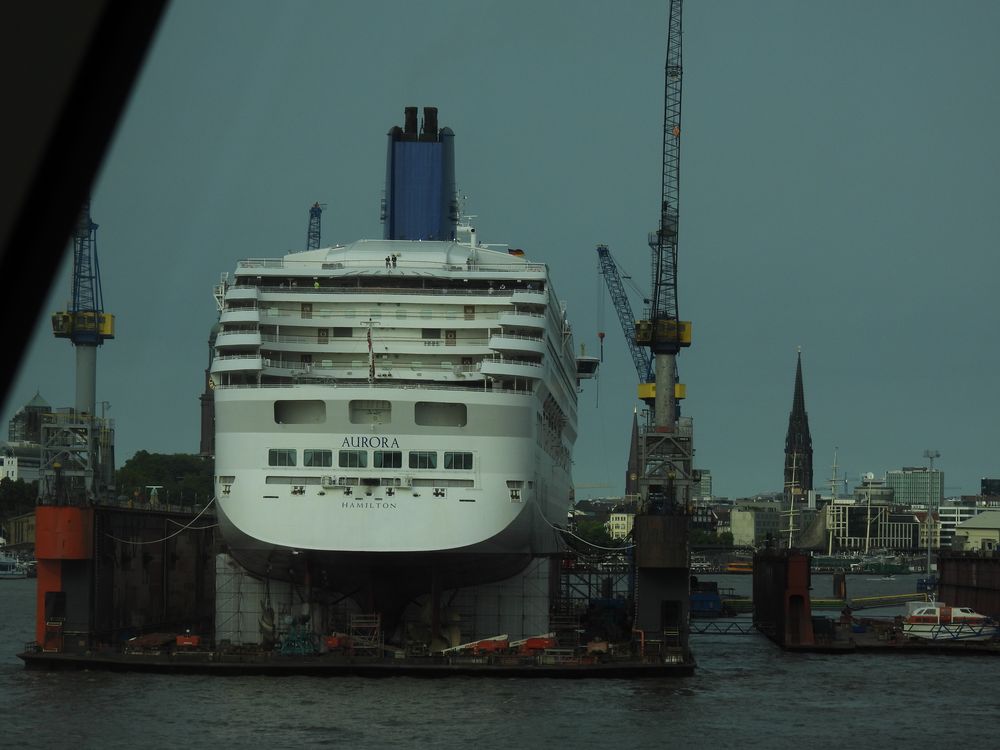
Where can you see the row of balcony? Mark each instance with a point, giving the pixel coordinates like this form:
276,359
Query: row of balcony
498,342
494,367
308,292
331,318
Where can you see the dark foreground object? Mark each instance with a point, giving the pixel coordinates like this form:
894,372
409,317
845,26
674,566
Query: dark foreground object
217,663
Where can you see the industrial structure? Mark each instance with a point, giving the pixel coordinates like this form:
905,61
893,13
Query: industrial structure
77,456
313,234
665,439
641,357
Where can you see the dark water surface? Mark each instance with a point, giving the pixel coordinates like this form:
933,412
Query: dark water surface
745,693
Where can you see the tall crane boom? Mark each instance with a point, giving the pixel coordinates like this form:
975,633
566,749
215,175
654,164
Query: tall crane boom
664,305
664,332
609,270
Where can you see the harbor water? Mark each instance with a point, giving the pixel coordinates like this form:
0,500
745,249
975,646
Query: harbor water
745,693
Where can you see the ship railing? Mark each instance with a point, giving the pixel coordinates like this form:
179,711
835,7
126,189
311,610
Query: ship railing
457,385
326,365
390,290
498,359
404,261
228,357
501,335
269,311
285,338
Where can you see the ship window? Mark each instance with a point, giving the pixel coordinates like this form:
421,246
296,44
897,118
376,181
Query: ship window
457,460
299,412
432,414
370,411
353,459
388,460
423,460
430,333
343,333
317,458
281,457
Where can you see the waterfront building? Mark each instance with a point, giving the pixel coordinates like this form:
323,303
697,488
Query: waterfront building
916,486
798,442
929,524
980,533
856,525
752,525
21,533
953,513
877,490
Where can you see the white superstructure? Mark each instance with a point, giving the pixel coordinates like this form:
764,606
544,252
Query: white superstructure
393,408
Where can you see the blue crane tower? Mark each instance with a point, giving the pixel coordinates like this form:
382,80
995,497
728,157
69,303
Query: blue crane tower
85,324
313,235
641,357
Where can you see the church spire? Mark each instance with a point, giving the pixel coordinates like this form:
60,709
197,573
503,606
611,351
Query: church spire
798,441
632,472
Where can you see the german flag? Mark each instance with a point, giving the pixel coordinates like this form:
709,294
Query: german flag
516,251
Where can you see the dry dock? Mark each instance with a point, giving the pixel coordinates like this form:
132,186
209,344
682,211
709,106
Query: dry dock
232,664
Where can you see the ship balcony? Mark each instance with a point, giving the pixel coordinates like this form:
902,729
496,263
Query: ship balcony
242,292
360,369
521,319
240,315
530,297
237,338
237,363
507,367
509,343
319,346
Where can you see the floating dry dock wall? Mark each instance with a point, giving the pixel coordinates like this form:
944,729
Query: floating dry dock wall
781,606
108,572
970,579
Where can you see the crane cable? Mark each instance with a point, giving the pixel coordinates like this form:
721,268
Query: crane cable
171,536
580,538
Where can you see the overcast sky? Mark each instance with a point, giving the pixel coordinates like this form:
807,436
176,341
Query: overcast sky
839,192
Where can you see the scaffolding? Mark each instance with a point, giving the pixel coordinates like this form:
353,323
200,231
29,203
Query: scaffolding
77,457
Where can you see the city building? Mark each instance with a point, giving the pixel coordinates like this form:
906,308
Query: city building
703,488
21,533
989,487
952,514
916,486
981,532
877,490
8,465
619,524
26,425
798,442
751,526
20,461
859,526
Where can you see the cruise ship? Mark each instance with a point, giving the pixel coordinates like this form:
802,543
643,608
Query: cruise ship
395,415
